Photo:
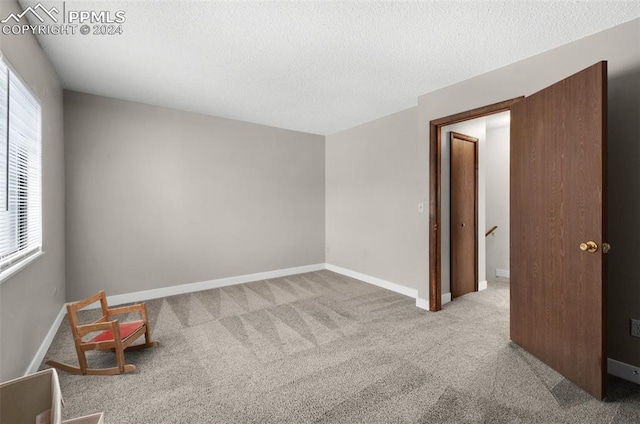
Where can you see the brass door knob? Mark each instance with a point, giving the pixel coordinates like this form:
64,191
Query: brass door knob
590,246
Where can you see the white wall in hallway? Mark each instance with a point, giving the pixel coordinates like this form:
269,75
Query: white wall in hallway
497,174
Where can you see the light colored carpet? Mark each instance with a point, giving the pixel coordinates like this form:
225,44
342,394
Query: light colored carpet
324,348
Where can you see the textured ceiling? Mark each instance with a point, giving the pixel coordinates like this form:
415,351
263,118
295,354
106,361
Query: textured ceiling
312,66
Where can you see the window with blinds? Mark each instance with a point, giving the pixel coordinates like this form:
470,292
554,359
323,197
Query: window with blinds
20,172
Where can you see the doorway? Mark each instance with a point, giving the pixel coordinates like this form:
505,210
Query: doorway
475,205
558,217
438,222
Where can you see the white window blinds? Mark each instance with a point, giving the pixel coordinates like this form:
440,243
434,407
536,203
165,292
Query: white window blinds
20,171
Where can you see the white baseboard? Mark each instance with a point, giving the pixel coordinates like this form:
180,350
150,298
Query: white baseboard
44,347
502,273
422,303
482,285
622,370
616,368
375,281
222,282
163,292
206,285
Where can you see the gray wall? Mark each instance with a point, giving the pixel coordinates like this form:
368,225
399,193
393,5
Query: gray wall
497,175
372,199
158,197
28,305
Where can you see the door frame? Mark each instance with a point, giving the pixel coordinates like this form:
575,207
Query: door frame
435,200
475,141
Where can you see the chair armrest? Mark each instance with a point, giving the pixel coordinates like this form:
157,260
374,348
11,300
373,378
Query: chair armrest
138,307
101,326
126,309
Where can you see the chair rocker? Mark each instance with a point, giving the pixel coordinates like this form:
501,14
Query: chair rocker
113,335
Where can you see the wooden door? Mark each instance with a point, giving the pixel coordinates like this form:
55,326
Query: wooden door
558,202
464,214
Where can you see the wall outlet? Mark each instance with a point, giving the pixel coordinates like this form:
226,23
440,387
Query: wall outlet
635,327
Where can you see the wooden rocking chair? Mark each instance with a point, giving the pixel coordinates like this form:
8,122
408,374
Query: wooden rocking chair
113,335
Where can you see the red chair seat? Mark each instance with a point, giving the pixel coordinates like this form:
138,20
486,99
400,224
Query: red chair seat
126,329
